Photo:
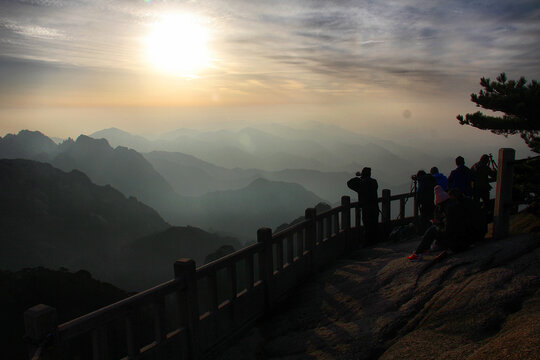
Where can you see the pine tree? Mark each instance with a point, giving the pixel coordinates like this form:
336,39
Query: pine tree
520,103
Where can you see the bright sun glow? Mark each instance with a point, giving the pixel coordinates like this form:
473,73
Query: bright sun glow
177,44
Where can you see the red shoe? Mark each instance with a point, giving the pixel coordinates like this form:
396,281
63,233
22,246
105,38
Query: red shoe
415,257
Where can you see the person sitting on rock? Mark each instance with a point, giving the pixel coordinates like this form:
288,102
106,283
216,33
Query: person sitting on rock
475,219
449,228
424,195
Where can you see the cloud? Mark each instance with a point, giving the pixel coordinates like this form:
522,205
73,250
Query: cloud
34,31
313,42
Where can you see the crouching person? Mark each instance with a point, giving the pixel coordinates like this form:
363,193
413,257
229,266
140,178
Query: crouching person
456,225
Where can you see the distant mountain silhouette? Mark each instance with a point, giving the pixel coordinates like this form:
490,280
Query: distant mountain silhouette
123,168
274,147
117,137
128,171
26,145
242,212
52,218
189,175
72,294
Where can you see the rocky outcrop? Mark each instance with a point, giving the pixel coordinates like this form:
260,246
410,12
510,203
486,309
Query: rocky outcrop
480,304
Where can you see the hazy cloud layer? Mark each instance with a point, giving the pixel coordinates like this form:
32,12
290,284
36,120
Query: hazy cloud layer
320,46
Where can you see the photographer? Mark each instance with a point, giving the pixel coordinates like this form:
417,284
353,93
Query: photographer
366,187
482,175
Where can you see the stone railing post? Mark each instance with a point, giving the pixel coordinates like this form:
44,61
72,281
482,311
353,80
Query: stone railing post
346,220
40,324
385,207
385,213
264,236
311,234
503,195
186,268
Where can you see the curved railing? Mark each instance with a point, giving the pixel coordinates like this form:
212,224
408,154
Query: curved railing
191,315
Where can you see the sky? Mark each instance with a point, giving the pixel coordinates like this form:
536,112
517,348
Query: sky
385,67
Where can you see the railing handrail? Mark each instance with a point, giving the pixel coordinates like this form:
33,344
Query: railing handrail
329,212
519,161
402,196
226,260
291,229
118,309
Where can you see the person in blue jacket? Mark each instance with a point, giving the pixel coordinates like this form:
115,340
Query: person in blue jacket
441,180
460,178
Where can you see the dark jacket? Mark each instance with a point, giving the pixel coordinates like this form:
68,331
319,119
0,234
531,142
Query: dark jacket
482,175
441,180
426,184
366,187
460,222
460,178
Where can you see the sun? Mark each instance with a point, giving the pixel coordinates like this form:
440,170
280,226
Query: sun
178,45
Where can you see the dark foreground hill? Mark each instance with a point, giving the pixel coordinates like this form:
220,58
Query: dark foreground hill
149,260
52,218
242,212
72,294
480,304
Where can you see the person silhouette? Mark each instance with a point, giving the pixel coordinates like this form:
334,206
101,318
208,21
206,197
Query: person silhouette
425,196
366,188
461,177
482,175
441,180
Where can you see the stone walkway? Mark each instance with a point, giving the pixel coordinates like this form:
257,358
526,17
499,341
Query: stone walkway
480,304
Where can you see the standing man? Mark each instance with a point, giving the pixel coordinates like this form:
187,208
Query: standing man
366,187
482,175
460,178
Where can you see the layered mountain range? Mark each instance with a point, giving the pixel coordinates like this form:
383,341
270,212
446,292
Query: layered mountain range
132,174
86,200
54,219
275,147
83,204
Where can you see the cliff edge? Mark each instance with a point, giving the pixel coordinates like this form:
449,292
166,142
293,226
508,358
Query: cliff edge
483,303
